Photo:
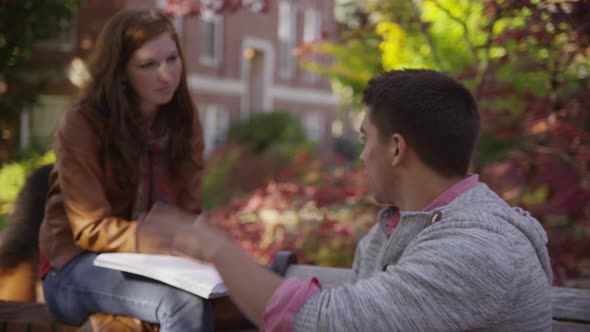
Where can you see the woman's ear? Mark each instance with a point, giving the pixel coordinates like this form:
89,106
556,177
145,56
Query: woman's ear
399,149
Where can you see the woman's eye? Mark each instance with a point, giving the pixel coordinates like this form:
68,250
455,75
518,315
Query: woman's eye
172,58
147,65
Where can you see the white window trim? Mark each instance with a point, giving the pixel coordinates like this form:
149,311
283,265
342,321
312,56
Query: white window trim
288,72
308,34
44,117
215,60
314,123
177,21
304,95
214,84
214,132
269,56
315,35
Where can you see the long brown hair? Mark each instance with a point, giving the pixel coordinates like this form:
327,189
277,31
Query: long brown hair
110,103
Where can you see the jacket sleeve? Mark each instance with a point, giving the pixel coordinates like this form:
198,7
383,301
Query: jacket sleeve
190,196
446,281
81,181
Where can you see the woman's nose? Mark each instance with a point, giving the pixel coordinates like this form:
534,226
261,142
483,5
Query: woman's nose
164,73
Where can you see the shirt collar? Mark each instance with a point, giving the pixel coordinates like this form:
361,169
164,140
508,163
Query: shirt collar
389,217
455,191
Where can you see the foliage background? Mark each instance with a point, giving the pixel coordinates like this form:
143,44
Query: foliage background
23,24
528,63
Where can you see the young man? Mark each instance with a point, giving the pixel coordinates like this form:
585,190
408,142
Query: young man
446,254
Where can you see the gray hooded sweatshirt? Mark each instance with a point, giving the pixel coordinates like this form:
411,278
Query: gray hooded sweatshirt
474,264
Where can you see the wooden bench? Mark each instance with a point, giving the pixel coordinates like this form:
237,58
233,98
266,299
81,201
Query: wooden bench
571,307
31,317
34,317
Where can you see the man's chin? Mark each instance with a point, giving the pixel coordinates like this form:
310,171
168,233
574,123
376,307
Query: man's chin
379,200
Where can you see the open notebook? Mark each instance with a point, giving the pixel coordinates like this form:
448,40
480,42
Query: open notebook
190,275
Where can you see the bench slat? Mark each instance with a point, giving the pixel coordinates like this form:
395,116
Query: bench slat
33,327
328,276
24,311
570,327
35,317
571,304
24,327
30,317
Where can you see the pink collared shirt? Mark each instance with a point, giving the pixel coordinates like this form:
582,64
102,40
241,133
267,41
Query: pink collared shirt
292,293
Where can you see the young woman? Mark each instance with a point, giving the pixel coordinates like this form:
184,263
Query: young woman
133,139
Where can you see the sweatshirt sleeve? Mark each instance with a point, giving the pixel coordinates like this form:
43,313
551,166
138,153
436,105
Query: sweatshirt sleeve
357,263
450,279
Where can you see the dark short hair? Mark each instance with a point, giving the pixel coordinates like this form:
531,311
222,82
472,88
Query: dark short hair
436,115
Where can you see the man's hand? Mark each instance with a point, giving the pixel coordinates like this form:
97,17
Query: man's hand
157,230
201,240
168,229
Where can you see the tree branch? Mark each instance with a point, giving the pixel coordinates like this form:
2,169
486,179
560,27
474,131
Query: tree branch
485,64
463,26
423,28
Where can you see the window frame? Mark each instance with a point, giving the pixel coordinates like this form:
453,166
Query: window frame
215,59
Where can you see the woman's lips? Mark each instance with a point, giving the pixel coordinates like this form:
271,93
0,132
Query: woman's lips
166,89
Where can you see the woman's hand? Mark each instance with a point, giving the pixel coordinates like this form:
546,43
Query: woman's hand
167,230
157,230
201,240
194,236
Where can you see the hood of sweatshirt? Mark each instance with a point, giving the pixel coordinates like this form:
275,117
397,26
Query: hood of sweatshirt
519,218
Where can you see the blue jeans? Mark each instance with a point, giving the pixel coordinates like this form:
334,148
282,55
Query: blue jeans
81,289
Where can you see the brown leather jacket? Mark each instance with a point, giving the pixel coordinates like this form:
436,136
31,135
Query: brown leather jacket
82,212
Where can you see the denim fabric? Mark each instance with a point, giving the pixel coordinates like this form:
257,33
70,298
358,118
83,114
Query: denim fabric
81,289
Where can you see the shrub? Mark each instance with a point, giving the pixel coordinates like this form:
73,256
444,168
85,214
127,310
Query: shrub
234,169
318,212
219,167
265,129
348,149
13,176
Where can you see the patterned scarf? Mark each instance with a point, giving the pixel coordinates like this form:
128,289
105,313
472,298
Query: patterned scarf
154,185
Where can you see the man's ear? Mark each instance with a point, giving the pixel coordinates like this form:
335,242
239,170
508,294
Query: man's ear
399,149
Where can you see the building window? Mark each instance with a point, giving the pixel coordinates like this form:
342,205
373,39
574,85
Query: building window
287,35
215,122
211,39
176,19
45,117
64,40
313,123
311,33
312,26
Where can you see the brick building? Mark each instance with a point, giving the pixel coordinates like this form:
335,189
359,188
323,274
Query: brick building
238,62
